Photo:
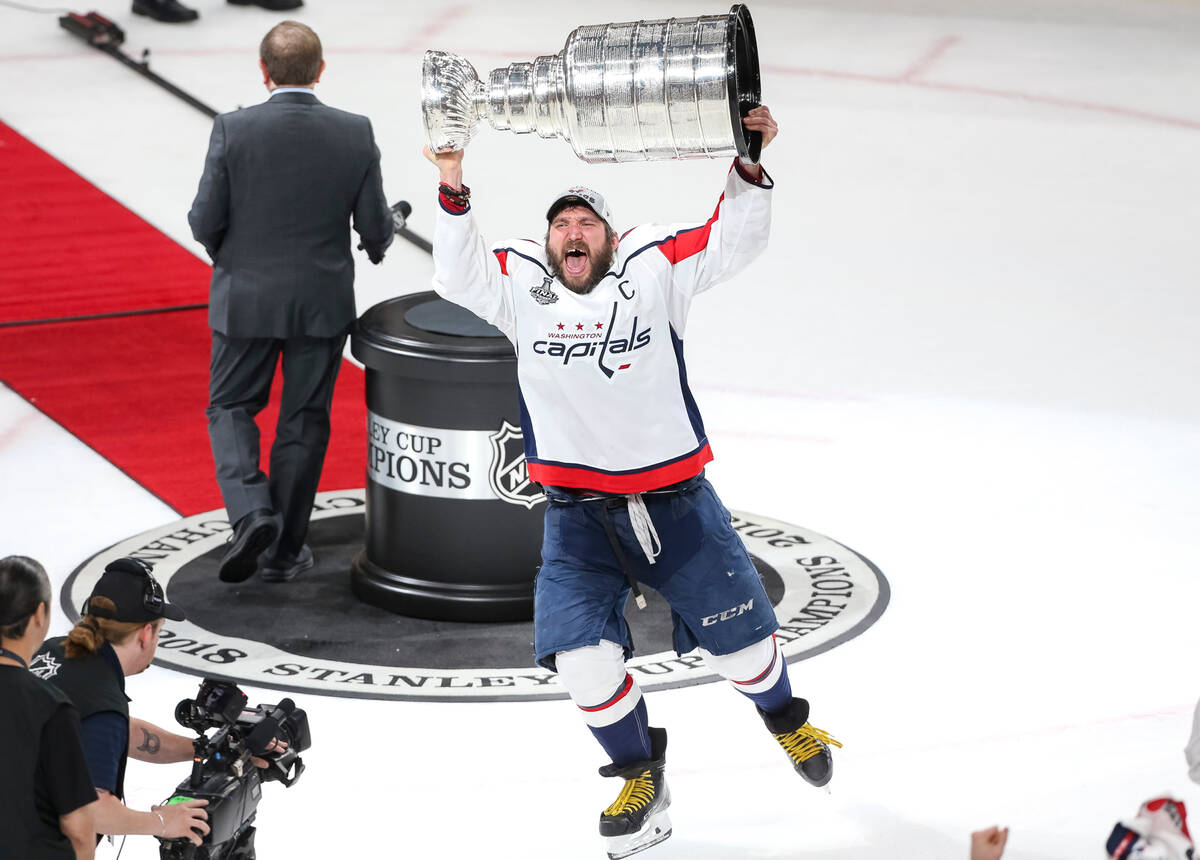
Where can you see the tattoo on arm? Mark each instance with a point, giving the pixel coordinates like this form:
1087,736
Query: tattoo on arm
150,743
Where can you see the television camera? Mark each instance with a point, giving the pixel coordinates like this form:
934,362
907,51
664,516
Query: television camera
223,772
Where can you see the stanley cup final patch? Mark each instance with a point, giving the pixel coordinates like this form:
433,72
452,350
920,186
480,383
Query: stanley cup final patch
322,640
543,294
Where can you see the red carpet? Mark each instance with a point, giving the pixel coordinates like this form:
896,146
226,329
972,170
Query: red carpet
71,250
133,388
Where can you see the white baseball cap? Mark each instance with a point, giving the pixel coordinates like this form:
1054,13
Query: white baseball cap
580,196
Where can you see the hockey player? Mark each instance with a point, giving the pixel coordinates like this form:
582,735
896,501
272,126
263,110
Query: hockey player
613,434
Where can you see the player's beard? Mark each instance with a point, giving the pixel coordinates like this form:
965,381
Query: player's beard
599,261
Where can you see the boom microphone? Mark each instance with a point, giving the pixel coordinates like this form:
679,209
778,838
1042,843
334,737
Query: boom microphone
400,212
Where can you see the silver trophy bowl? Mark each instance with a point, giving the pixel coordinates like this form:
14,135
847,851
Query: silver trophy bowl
640,91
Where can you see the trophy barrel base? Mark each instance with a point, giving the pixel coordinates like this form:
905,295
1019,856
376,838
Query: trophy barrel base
423,598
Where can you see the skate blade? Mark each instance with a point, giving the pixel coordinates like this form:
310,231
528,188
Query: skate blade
657,829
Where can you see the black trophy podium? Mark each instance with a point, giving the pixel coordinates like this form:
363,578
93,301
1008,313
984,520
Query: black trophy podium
453,525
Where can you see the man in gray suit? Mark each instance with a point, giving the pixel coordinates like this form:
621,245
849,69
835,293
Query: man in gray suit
281,184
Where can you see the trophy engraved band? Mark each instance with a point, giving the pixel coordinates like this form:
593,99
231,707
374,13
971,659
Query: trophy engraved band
639,91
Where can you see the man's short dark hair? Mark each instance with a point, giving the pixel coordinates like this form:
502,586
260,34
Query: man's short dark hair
291,52
23,585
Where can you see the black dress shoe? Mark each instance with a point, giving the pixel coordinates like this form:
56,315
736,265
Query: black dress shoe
168,11
273,5
285,569
251,536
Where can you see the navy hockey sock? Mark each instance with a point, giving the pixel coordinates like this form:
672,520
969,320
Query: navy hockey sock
608,698
628,739
774,698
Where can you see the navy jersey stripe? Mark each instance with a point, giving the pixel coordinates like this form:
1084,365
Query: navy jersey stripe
537,263
692,409
707,226
527,436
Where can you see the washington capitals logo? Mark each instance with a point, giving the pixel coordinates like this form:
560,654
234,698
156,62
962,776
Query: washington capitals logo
609,349
509,475
543,294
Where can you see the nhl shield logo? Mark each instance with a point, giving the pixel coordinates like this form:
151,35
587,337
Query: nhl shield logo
544,295
509,475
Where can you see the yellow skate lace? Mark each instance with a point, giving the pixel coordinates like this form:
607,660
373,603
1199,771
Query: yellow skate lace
805,742
637,793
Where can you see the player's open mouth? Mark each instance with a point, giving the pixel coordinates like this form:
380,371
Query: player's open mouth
575,261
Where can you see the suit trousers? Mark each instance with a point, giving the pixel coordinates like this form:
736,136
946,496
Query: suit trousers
240,376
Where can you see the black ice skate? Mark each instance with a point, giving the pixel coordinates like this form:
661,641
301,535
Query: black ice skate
638,818
806,745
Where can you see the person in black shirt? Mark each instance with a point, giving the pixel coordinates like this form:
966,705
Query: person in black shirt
46,794
116,637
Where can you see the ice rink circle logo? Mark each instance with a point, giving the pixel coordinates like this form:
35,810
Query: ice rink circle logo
830,594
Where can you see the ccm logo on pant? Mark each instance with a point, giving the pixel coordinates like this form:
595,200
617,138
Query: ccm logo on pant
731,612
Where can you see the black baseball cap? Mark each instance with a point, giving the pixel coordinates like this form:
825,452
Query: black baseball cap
138,597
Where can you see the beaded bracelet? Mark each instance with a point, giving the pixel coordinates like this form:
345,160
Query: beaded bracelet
460,195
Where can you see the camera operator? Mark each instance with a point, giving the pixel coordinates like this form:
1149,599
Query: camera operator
46,794
117,637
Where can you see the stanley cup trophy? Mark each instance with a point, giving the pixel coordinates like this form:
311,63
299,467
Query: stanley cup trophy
640,91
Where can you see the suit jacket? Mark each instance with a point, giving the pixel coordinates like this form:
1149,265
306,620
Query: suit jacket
281,183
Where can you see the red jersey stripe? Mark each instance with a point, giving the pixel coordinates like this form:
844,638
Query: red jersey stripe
502,256
636,482
683,245
454,207
621,694
766,671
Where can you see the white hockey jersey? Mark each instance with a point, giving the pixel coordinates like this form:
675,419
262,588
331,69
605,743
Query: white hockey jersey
604,396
